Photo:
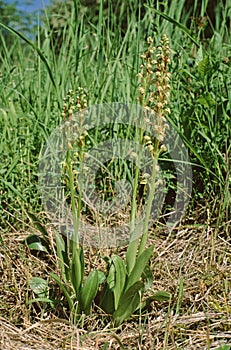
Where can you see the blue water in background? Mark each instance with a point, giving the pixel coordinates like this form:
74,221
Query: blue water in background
30,6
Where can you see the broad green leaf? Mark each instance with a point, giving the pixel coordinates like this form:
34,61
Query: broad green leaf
206,100
64,290
106,297
204,67
81,256
62,256
66,266
60,244
159,296
101,277
88,292
131,255
128,303
224,347
35,242
37,246
39,286
147,276
106,300
76,271
139,267
111,277
120,278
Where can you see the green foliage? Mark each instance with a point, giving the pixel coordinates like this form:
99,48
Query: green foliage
41,289
139,267
88,292
99,50
78,293
34,241
30,102
122,293
39,286
128,303
9,15
203,121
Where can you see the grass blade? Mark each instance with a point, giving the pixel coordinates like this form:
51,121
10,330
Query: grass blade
63,289
35,47
178,24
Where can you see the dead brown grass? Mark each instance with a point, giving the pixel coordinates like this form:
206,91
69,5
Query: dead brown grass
193,264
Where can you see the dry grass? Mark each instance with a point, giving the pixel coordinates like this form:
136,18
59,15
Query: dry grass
193,264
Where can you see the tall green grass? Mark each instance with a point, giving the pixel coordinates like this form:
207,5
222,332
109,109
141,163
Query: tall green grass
101,53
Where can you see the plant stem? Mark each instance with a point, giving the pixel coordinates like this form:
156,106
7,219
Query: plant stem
149,201
133,245
75,238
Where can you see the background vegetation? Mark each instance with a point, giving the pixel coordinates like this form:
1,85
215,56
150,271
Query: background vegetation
96,45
